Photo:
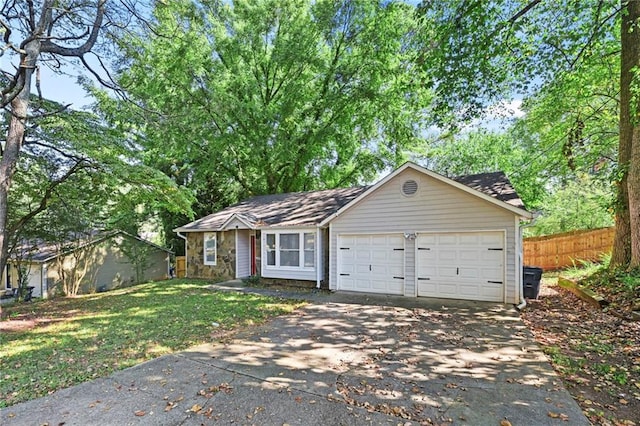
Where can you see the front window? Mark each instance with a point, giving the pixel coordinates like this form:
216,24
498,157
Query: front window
271,249
290,249
210,248
309,250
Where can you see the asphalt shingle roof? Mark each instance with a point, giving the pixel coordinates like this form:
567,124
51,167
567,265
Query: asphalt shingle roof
495,184
39,250
311,208
286,210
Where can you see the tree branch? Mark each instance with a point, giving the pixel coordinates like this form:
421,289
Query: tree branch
523,11
80,165
48,46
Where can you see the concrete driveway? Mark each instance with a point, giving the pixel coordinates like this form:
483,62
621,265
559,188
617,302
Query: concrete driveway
344,359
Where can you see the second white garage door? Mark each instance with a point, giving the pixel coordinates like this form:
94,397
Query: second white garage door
371,263
466,265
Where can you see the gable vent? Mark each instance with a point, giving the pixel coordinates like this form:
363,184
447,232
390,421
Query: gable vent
410,187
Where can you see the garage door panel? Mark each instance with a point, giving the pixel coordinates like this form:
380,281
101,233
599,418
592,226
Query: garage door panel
464,265
375,261
348,269
468,239
447,240
493,239
490,255
470,255
447,255
469,290
446,272
427,240
469,273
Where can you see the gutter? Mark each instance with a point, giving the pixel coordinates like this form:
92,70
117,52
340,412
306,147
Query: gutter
523,301
186,258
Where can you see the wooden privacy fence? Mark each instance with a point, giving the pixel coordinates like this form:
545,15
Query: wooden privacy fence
562,250
181,266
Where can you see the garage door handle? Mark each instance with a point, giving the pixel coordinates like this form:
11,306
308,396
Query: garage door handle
496,249
423,248
494,282
399,278
398,249
423,279
344,275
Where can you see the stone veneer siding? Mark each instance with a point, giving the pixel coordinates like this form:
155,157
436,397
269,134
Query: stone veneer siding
225,268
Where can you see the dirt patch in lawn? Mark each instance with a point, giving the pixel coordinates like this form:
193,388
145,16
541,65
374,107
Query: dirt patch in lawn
26,321
596,354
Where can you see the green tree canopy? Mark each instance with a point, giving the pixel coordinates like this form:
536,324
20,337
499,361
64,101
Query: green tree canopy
252,97
77,175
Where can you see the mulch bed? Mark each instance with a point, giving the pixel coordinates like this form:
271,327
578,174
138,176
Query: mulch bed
596,354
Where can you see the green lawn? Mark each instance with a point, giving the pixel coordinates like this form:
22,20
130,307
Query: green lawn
79,339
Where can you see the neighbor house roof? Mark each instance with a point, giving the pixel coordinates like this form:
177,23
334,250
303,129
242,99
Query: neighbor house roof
40,251
304,209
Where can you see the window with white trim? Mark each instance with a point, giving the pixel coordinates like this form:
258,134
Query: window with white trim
210,248
271,249
290,250
309,250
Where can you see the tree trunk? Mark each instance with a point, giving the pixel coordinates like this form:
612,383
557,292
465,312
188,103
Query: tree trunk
13,145
628,196
631,58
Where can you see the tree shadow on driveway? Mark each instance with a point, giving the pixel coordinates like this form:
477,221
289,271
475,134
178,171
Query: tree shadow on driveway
414,359
343,359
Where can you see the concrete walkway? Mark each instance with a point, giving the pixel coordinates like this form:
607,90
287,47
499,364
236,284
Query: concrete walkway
344,359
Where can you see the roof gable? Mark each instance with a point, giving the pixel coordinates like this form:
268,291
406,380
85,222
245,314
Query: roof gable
492,187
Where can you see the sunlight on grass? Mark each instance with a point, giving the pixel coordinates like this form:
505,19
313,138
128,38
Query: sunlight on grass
91,336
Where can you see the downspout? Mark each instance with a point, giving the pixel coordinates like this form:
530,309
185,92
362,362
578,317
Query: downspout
319,265
186,252
523,301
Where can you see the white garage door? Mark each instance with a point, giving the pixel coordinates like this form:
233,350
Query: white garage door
371,263
466,265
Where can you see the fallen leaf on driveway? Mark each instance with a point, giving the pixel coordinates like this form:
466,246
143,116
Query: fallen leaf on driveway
505,422
140,413
196,408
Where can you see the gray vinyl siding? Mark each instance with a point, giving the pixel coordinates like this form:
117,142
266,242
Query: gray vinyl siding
243,253
436,207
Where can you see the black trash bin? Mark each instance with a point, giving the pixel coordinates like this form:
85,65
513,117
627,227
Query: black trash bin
531,276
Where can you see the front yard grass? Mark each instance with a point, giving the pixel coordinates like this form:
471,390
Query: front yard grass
63,342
